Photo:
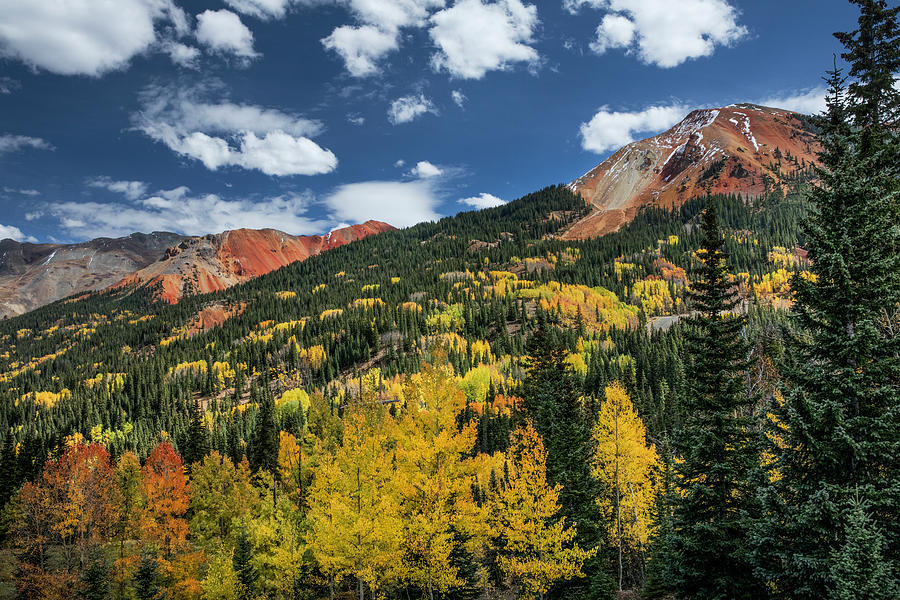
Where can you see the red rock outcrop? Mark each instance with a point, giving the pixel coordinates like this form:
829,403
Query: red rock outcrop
215,262
743,148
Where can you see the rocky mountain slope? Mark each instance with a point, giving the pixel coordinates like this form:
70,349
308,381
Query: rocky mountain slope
742,148
216,262
32,275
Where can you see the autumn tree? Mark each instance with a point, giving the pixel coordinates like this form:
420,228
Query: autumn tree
222,495
537,544
128,506
626,468
435,478
354,518
167,497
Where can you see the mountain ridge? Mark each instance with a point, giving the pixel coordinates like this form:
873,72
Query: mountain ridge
32,275
742,148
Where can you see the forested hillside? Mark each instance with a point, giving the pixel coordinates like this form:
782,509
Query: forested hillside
701,405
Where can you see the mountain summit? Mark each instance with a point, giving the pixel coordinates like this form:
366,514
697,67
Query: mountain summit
742,148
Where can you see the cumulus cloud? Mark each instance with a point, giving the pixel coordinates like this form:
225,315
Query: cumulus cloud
424,170
609,130
130,189
84,37
483,200
809,102
399,203
179,211
458,98
222,31
662,32
182,54
14,143
227,134
408,108
473,37
14,233
361,47
377,31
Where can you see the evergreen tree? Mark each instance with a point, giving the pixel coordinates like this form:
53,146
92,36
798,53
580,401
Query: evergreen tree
196,438
717,448
551,394
94,581
858,569
242,561
146,579
263,450
837,429
8,469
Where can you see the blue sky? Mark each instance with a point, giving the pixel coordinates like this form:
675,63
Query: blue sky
302,115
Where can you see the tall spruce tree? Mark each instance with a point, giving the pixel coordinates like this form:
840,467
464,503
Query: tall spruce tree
242,562
838,428
196,438
263,451
718,451
551,393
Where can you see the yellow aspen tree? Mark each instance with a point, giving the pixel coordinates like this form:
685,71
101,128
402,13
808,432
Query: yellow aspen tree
435,479
354,517
627,468
538,544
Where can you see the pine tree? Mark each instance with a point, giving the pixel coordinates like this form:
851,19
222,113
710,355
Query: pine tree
837,427
717,449
858,568
242,562
263,450
146,579
94,581
7,469
551,394
196,439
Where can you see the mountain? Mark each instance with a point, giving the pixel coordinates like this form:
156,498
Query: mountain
218,261
32,275
744,149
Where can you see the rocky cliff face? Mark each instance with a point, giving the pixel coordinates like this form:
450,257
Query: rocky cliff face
216,262
742,148
32,275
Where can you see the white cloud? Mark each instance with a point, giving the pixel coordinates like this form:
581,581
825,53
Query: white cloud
24,192
361,47
399,203
408,108
14,143
424,170
228,134
356,119
400,162
178,211
84,37
458,98
222,31
130,189
261,9
14,233
377,32
473,38
609,130
182,54
483,200
809,102
662,32
614,31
